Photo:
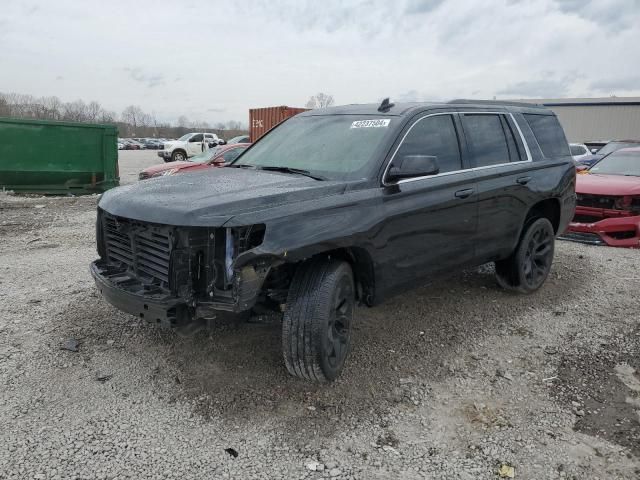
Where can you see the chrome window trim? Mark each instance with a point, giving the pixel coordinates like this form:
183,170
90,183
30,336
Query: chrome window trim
455,172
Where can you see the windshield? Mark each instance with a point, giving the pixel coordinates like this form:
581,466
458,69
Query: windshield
185,137
205,156
335,147
619,163
613,146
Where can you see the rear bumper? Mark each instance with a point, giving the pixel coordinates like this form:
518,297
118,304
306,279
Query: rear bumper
615,232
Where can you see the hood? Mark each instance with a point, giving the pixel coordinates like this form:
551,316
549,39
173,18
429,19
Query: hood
213,196
155,169
613,185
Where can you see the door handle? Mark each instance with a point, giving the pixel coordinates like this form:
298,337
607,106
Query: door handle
523,180
467,192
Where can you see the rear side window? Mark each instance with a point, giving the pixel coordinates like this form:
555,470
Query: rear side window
487,140
434,136
549,134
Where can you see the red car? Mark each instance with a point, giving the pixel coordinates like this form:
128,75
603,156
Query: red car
608,202
215,157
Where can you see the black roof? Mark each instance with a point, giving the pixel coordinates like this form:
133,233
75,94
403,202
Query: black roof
401,109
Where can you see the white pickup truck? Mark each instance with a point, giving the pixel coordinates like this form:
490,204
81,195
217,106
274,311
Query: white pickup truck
187,146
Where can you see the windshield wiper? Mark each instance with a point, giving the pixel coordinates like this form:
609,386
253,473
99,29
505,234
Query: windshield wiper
298,171
242,165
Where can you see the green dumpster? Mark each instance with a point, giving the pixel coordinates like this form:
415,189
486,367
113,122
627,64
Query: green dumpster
42,156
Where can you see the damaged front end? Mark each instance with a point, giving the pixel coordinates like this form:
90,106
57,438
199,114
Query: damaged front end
606,220
170,275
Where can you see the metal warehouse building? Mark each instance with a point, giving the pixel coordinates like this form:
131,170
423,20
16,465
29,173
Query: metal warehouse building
585,119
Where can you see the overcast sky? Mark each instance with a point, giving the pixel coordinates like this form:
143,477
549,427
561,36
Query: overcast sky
213,60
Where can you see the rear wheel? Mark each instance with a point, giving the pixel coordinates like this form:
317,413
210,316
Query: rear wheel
316,328
528,267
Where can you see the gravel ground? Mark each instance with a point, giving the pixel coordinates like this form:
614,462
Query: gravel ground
452,380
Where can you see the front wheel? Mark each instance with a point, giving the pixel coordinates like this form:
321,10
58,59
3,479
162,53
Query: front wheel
316,328
528,267
178,156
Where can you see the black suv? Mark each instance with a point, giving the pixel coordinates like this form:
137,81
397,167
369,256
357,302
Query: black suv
339,206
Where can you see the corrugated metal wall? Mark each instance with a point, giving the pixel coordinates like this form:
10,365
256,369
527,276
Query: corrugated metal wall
599,122
261,120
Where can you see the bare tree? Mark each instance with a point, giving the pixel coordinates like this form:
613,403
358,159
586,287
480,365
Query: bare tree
133,119
234,125
132,115
5,108
52,108
107,116
320,100
75,111
93,111
183,121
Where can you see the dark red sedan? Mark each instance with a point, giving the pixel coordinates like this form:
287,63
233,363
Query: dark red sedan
608,202
215,157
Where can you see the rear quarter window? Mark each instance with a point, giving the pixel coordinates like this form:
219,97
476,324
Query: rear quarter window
549,134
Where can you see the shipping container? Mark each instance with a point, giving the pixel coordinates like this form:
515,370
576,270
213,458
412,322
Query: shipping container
261,120
42,156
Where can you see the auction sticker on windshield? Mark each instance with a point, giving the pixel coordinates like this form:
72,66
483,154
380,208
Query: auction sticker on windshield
382,122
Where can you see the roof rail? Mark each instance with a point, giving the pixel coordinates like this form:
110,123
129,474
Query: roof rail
497,102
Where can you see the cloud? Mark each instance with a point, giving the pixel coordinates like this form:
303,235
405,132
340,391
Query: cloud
422,6
609,14
151,80
542,88
283,51
617,84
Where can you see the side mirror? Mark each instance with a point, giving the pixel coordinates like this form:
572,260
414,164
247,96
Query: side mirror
594,150
411,166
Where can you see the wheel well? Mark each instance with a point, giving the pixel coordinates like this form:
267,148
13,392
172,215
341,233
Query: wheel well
362,267
549,208
179,150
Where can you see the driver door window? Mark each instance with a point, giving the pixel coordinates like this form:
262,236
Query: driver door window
436,136
195,144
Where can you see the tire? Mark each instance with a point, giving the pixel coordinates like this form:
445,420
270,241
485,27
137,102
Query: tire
528,267
316,327
178,156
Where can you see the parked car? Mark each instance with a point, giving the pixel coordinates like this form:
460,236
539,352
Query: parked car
212,139
595,145
339,206
610,147
151,144
130,144
608,197
579,151
120,146
215,157
239,139
186,146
